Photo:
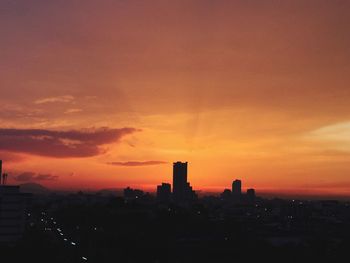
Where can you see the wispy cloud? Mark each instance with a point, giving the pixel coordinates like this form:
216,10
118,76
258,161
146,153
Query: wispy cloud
137,163
335,138
14,111
64,99
70,111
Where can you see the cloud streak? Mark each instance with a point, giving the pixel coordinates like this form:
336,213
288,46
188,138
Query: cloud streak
64,99
136,163
60,144
70,111
30,176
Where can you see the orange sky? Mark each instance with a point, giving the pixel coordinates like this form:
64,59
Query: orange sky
256,90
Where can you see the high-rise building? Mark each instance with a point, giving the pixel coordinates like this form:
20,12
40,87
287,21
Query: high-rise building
179,180
182,190
12,211
237,187
164,193
12,214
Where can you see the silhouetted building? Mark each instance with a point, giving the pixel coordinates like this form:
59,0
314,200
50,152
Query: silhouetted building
132,194
164,193
12,213
190,194
237,187
226,194
251,193
182,190
179,180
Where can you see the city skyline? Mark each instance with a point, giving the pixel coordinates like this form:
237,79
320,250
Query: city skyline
174,131
182,193
104,95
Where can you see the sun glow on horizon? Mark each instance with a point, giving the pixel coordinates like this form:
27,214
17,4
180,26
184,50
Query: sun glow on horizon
239,90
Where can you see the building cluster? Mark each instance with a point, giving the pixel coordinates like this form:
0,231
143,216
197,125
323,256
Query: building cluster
181,191
132,194
235,194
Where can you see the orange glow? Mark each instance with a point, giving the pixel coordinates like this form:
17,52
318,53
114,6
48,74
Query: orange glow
252,90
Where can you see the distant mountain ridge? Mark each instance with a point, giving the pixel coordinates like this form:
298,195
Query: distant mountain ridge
33,188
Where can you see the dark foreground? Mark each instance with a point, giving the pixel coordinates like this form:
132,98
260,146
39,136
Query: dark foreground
94,228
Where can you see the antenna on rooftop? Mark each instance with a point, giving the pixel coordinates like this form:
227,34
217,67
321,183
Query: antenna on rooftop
3,176
4,179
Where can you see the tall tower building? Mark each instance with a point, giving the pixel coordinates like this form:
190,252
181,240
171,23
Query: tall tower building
179,180
237,187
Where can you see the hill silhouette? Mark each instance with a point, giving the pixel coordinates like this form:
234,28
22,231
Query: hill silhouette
33,188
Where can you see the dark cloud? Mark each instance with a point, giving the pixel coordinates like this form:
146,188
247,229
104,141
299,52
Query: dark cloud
26,176
9,157
42,177
135,163
30,176
60,144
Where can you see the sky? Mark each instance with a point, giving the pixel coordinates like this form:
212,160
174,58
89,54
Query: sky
108,94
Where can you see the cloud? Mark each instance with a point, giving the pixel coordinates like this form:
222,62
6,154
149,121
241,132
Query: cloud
60,144
42,177
136,163
30,176
336,132
65,99
69,111
9,157
11,111
26,176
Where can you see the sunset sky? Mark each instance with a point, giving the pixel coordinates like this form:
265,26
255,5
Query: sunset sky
107,94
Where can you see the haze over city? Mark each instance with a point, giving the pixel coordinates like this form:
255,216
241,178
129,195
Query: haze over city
110,95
